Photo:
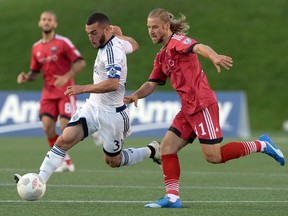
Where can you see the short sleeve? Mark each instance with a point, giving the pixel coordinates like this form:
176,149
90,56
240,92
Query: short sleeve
183,44
113,61
157,74
34,64
71,51
127,46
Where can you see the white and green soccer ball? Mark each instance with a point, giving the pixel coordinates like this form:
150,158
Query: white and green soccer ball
31,187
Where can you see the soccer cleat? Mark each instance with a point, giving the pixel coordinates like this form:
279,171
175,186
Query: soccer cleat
17,177
272,150
66,166
154,146
165,203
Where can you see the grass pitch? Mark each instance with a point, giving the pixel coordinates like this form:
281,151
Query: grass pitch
253,185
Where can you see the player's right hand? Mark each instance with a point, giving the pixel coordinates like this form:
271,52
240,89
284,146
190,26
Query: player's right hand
74,90
22,78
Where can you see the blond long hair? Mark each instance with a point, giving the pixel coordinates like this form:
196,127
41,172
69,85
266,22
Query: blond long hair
178,26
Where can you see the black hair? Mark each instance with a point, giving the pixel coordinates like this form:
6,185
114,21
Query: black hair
98,17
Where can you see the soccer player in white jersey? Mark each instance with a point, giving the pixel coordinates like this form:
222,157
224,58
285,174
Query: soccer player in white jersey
105,110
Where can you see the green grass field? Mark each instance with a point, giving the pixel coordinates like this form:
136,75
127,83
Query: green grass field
254,185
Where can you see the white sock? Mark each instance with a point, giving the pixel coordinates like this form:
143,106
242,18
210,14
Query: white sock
132,156
172,197
263,145
51,162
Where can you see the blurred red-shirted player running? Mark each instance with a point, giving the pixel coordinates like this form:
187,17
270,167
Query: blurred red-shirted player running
59,61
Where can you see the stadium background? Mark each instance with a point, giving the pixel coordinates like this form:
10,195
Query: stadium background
254,33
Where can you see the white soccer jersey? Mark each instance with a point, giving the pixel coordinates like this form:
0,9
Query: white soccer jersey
111,62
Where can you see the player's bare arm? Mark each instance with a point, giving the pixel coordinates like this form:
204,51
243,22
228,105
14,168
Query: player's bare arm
218,60
109,85
76,67
116,30
27,77
145,90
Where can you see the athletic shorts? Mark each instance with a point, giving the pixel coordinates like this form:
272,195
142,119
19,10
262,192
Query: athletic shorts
63,107
113,127
203,124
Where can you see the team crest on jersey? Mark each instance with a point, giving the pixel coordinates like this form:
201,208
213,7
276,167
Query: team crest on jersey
53,48
187,41
112,71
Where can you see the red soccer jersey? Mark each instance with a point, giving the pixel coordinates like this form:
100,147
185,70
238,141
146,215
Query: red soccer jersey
177,62
54,58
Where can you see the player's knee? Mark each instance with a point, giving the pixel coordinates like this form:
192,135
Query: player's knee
112,162
49,131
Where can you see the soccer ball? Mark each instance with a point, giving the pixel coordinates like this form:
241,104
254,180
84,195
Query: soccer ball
31,187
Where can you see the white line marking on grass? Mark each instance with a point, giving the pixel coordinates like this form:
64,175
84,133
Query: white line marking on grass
133,201
155,187
125,171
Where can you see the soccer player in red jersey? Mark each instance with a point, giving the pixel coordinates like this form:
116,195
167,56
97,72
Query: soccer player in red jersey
59,60
199,115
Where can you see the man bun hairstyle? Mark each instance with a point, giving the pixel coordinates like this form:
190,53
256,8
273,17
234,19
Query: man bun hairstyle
178,26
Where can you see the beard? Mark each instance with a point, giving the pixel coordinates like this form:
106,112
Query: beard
47,29
102,41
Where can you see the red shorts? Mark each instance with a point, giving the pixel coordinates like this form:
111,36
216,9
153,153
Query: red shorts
64,107
203,124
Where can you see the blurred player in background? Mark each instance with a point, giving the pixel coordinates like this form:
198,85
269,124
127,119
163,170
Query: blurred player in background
59,61
105,110
199,115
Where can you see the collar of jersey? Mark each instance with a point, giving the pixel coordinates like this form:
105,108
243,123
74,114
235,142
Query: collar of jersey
167,43
101,47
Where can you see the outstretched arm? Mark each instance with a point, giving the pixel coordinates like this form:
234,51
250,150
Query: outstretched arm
108,85
218,60
145,90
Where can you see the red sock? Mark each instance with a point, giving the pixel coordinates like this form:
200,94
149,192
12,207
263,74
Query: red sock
171,171
52,140
235,150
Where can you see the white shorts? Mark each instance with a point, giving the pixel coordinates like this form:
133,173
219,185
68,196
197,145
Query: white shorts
113,127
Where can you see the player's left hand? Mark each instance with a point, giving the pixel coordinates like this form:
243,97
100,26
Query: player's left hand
60,80
73,90
116,30
131,99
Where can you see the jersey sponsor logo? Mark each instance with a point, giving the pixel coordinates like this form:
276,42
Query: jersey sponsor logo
53,57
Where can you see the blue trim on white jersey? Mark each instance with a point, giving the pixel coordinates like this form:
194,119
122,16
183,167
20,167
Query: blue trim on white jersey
110,54
112,71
